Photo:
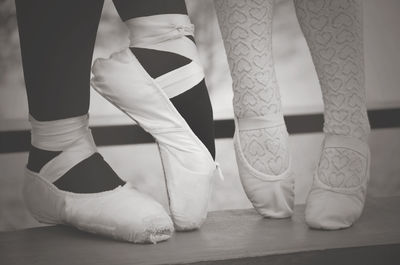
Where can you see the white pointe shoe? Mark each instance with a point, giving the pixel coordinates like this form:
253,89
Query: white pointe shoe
188,166
123,213
271,195
337,196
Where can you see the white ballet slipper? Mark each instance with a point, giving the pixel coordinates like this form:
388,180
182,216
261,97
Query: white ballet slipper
271,195
188,166
123,213
337,196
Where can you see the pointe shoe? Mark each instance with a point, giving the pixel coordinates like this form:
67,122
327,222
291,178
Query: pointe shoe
271,195
188,166
122,213
337,196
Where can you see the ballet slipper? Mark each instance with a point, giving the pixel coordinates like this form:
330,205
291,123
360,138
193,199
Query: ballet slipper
122,213
271,195
188,166
337,196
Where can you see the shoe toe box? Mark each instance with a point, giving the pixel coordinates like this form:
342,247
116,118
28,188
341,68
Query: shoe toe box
330,210
123,214
271,199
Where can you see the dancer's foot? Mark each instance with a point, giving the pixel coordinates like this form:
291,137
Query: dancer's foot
120,212
123,80
337,196
261,139
264,164
338,193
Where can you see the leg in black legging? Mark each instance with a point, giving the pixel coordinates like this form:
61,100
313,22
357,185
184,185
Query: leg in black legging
57,41
194,105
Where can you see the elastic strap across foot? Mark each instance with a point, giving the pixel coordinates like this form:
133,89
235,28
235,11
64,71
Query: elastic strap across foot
260,122
342,141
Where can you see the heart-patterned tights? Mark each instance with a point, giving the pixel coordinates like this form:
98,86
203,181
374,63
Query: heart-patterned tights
333,30
246,27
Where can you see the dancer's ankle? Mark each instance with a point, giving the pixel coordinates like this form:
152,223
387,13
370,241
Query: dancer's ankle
360,131
49,140
38,158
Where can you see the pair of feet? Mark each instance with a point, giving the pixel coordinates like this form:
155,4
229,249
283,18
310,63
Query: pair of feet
124,212
338,192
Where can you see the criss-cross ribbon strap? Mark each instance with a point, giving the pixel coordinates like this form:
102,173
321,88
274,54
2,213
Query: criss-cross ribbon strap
72,136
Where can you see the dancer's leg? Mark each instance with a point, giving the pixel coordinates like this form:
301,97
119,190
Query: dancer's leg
246,28
57,40
159,82
194,104
333,30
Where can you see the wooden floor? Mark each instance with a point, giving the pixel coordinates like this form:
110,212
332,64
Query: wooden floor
227,237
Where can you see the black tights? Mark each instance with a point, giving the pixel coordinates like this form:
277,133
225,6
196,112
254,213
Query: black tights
57,40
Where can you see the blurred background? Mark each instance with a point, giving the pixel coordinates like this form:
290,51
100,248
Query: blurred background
140,163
